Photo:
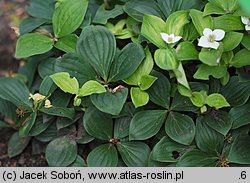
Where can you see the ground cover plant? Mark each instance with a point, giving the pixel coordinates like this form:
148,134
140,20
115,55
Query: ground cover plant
132,83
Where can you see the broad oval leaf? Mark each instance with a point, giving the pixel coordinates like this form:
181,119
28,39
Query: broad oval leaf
166,59
240,150
65,82
28,123
97,45
91,87
61,152
59,111
131,153
180,128
241,58
216,100
165,149
240,116
68,16
17,144
121,127
127,62
231,40
219,121
228,23
103,156
109,102
139,97
98,124
67,43
33,44
146,124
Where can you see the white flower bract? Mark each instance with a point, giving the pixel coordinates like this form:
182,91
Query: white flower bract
246,21
47,104
210,38
170,38
37,97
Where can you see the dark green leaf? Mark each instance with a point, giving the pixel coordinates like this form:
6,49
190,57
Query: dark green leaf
146,124
47,86
181,103
38,127
61,152
59,111
17,144
134,154
103,156
29,123
241,58
29,24
109,102
121,127
46,67
240,116
97,45
79,162
180,128
49,134
98,124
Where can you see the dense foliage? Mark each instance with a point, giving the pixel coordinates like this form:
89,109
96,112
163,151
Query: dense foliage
132,83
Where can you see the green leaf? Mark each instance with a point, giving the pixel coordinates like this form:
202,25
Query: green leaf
47,86
240,151
164,150
38,127
97,45
236,93
180,128
228,23
29,123
109,102
102,15
144,69
33,44
146,124
41,9
187,51
200,22
103,156
139,97
219,121
49,134
240,116
246,41
241,58
197,158
79,162
159,92
181,76
59,111
216,100
127,62
207,139
98,124
17,144
15,91
213,9
211,57
29,24
46,67
204,71
182,103
61,152
67,43
152,27
227,6
121,127
176,21
137,8
68,16
166,59
231,40
91,87
65,82
131,153
147,81
76,66
198,99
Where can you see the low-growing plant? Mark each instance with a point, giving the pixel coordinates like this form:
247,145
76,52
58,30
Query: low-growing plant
132,83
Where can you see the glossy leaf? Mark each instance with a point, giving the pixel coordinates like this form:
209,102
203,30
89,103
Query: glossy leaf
67,43
29,123
186,51
204,71
139,97
166,59
241,58
216,100
231,40
228,23
240,116
59,111
91,87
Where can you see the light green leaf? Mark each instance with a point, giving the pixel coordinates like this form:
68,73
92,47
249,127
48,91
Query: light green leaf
146,124
33,44
166,59
204,71
144,69
181,76
67,43
200,22
139,97
231,40
187,51
103,156
152,27
228,23
241,58
213,9
211,57
216,100
176,22
180,128
91,87
147,81
68,16
97,45
198,99
65,82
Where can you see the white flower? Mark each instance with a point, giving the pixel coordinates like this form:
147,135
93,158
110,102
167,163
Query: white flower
47,104
210,38
170,38
37,97
246,21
